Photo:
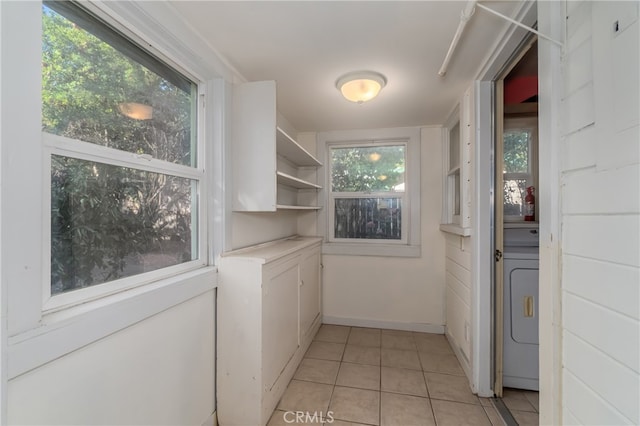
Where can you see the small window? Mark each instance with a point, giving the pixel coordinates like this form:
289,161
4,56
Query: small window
520,164
119,126
367,198
453,174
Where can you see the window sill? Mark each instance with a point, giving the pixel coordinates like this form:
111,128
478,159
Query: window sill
68,330
455,229
363,249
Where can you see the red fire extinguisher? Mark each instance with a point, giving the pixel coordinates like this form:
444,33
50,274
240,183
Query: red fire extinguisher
530,205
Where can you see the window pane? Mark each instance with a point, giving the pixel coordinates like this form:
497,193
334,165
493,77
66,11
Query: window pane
365,169
110,222
454,146
99,87
516,151
373,218
514,192
456,195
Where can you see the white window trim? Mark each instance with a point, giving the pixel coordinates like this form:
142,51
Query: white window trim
35,336
450,222
332,196
410,247
71,148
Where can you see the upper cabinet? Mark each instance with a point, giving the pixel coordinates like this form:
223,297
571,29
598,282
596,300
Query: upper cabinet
271,171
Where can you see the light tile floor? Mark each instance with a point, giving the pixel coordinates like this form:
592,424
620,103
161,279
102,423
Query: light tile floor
364,376
523,405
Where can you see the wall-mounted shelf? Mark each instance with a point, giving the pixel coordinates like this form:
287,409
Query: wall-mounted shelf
294,182
271,170
288,148
286,207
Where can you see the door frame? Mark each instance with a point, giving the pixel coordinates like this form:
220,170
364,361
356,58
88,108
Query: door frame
498,214
483,200
550,17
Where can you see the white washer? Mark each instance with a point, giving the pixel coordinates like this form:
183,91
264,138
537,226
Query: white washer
520,305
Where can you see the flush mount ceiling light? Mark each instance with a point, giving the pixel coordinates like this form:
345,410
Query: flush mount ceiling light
361,86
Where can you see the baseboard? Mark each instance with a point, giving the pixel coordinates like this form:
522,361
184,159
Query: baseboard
464,361
391,325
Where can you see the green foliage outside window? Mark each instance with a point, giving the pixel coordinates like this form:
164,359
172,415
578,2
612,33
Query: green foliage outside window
516,160
107,221
516,151
367,169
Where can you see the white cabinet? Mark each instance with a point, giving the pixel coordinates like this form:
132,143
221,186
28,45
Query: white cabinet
269,309
310,296
271,170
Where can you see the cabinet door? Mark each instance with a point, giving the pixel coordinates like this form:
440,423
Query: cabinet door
279,319
309,289
254,146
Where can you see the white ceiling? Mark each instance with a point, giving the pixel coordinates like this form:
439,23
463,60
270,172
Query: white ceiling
306,45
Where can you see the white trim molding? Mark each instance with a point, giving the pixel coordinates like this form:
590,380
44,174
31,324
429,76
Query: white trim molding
375,248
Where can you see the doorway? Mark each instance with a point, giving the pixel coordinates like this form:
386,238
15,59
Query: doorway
516,235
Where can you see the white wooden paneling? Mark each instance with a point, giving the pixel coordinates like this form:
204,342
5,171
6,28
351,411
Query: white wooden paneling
614,333
458,295
611,188
616,72
579,110
600,207
614,382
459,256
585,277
609,238
579,149
579,70
459,288
579,30
575,13
568,418
626,108
458,314
619,150
588,407
459,272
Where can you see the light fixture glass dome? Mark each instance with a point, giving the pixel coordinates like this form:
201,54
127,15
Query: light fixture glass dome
136,110
361,86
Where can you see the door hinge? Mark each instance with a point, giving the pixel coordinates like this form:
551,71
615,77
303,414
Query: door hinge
498,255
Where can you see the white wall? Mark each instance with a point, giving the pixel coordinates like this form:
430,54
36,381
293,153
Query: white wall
600,196
396,292
159,371
255,228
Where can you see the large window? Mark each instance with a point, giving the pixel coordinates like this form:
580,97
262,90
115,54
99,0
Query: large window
120,132
368,192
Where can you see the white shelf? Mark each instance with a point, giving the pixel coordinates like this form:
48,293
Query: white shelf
271,171
294,182
286,207
292,151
